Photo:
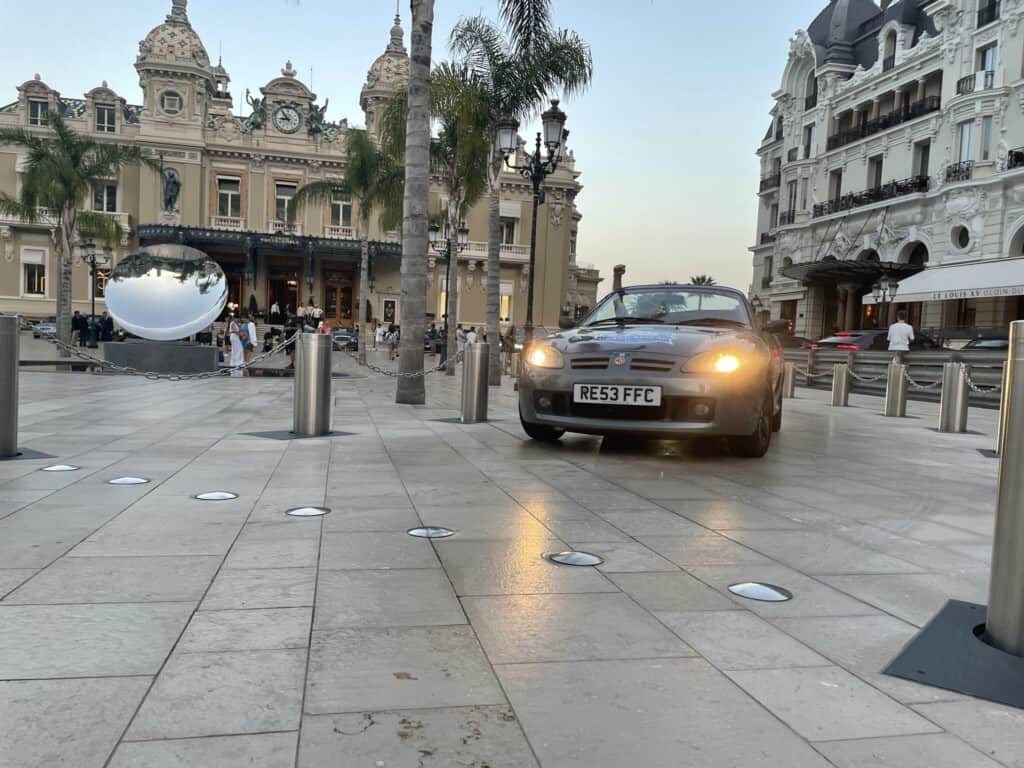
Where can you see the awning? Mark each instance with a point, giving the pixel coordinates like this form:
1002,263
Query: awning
831,271
977,280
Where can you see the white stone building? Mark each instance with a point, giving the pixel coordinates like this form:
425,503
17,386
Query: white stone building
894,150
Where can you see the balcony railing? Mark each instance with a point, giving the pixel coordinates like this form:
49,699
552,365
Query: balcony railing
340,232
874,195
232,223
871,127
786,218
771,182
969,84
810,102
1015,159
285,228
478,250
988,13
767,238
888,63
793,154
960,171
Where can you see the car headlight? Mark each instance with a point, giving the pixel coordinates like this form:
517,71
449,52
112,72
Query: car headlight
544,356
715,362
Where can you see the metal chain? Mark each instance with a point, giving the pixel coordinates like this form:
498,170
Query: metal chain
415,374
866,379
918,385
806,373
981,390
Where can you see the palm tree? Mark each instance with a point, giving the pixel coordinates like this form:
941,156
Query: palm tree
61,169
702,280
410,389
519,69
375,181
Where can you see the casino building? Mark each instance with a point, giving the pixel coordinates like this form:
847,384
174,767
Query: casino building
228,181
895,156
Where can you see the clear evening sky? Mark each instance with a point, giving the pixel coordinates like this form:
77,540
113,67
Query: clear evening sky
665,137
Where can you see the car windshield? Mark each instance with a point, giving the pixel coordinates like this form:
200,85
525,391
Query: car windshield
671,305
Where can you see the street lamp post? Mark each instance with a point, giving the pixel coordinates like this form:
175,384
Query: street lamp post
536,169
449,247
89,255
884,292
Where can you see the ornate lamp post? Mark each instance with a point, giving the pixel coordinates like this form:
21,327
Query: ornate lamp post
536,169
89,257
884,292
449,247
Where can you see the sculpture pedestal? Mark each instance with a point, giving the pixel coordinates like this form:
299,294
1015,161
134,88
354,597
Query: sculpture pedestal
161,356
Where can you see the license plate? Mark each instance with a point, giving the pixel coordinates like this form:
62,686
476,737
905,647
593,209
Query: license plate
616,394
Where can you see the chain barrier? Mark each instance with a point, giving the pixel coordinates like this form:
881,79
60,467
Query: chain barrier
415,374
981,390
806,373
918,385
866,379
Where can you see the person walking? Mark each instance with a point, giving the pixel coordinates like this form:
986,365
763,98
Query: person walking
106,327
251,341
378,335
237,360
291,330
471,336
275,312
77,329
901,335
392,342
460,339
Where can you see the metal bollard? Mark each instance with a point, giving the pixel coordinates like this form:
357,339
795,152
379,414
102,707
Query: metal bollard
953,407
896,391
1003,410
474,383
789,380
515,371
841,385
1004,624
8,387
312,384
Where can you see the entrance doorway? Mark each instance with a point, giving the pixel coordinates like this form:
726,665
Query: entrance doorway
338,296
282,289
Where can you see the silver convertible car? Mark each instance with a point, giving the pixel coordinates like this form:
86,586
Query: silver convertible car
667,361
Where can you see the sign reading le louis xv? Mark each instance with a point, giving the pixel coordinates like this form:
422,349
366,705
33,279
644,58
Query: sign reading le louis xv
977,293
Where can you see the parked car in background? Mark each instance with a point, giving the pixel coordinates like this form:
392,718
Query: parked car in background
44,328
870,340
991,344
786,341
345,339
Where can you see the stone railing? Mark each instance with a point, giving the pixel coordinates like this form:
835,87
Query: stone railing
232,223
339,232
478,249
283,227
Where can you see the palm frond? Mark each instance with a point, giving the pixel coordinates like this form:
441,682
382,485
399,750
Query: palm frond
315,193
20,137
567,59
481,45
14,207
96,225
528,21
393,118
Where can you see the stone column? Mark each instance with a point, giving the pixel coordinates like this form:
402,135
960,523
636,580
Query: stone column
920,90
892,314
876,104
841,306
852,298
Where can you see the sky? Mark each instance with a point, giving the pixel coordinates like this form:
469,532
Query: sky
665,137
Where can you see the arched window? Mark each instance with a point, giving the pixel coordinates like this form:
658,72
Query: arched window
811,91
889,51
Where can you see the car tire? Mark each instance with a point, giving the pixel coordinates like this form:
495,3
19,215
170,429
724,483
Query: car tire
756,444
777,416
541,432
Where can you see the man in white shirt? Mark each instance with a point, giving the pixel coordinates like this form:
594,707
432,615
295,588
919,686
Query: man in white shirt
901,334
471,336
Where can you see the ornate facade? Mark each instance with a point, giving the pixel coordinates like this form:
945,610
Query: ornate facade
893,151
224,181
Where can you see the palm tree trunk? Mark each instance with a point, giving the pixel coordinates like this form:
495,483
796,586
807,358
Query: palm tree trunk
452,298
364,278
494,267
411,389
65,257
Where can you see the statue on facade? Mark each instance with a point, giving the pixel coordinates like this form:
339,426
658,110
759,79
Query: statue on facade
317,118
172,188
256,118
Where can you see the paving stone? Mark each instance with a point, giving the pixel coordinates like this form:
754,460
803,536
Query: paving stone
258,750
817,552
466,736
520,628
828,703
652,522
939,750
730,514
739,640
207,694
367,519
45,641
359,670
65,722
486,522
661,713
10,578
992,729
352,550
702,549
119,580
266,588
624,557
284,553
399,598
671,592
247,630
915,598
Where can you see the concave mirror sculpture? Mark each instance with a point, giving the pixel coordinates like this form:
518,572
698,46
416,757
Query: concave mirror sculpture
166,292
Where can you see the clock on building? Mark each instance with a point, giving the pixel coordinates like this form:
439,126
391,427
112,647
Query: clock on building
287,119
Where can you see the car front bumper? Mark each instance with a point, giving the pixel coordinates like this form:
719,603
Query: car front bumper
734,401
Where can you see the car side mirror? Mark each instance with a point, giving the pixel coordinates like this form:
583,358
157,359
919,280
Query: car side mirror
566,323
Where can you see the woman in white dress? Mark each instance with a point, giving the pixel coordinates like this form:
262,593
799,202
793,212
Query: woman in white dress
237,349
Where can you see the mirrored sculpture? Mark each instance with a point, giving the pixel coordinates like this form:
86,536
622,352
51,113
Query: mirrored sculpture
166,292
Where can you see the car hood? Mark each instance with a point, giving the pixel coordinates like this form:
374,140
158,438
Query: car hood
677,341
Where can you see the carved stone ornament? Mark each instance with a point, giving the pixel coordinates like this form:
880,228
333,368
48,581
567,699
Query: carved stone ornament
524,276
8,241
470,272
258,160
964,203
841,243
888,235
800,44
556,214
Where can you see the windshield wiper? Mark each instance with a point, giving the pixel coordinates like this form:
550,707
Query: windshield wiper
712,321
624,321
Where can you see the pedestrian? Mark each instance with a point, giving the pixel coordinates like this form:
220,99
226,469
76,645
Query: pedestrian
291,330
392,342
275,312
316,315
460,339
378,335
235,334
77,331
106,327
251,338
471,336
901,334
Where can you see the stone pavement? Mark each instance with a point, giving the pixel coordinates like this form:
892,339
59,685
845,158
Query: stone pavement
142,627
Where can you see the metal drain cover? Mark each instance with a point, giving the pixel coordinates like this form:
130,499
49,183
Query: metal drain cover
430,532
307,511
574,558
61,468
128,481
216,496
765,593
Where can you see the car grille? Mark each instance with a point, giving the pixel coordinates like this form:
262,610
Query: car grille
589,363
650,364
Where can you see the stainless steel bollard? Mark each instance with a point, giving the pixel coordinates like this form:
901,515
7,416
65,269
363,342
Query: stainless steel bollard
312,384
474,384
953,407
1004,625
896,391
841,385
516,368
1003,410
789,380
8,387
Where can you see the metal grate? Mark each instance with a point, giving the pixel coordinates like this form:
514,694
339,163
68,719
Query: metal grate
650,364
589,363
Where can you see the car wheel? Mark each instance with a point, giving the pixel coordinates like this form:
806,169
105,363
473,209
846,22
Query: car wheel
755,445
541,432
777,416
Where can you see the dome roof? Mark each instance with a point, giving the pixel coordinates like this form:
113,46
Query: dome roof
174,41
390,71
838,26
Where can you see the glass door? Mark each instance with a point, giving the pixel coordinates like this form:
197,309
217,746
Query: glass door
338,295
